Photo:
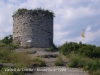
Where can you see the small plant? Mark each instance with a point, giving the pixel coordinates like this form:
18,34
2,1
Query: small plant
59,61
51,49
38,62
21,11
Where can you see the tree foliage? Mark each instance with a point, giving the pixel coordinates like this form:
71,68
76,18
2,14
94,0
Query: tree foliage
7,40
83,49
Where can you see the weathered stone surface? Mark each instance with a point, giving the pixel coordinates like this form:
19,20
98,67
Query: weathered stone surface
33,27
31,52
48,56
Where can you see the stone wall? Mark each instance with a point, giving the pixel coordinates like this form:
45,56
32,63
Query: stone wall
33,30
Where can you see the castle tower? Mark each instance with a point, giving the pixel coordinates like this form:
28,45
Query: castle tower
33,28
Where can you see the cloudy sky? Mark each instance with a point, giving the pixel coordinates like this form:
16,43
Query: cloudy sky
72,16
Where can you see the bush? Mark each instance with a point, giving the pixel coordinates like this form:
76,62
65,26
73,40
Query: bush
84,56
84,62
59,61
92,64
38,62
83,49
7,40
14,46
74,61
68,48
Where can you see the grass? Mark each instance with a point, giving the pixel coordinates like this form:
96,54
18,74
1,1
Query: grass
2,45
38,62
4,56
35,11
21,59
59,61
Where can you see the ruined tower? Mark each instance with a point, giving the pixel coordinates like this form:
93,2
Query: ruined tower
33,28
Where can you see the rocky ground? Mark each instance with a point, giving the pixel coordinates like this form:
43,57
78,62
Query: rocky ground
50,57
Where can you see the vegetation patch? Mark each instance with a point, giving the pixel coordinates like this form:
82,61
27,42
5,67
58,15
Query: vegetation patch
83,49
21,59
38,62
84,56
35,11
92,65
51,49
59,61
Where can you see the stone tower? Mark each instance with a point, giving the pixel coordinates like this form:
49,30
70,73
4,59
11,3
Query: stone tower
33,28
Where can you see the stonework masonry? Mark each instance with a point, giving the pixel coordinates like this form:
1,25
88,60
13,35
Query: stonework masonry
33,30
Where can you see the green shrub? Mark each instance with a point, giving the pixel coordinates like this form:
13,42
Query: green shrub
59,61
83,49
92,64
68,48
7,40
14,46
38,62
74,61
84,62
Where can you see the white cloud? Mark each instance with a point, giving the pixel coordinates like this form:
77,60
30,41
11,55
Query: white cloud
88,28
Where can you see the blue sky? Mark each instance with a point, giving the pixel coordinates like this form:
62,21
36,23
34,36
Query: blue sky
72,16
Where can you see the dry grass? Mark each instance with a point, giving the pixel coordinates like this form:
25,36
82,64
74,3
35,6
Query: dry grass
21,59
59,61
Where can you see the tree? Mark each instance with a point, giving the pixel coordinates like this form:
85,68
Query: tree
7,40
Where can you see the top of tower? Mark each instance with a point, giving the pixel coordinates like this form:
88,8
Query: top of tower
22,11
